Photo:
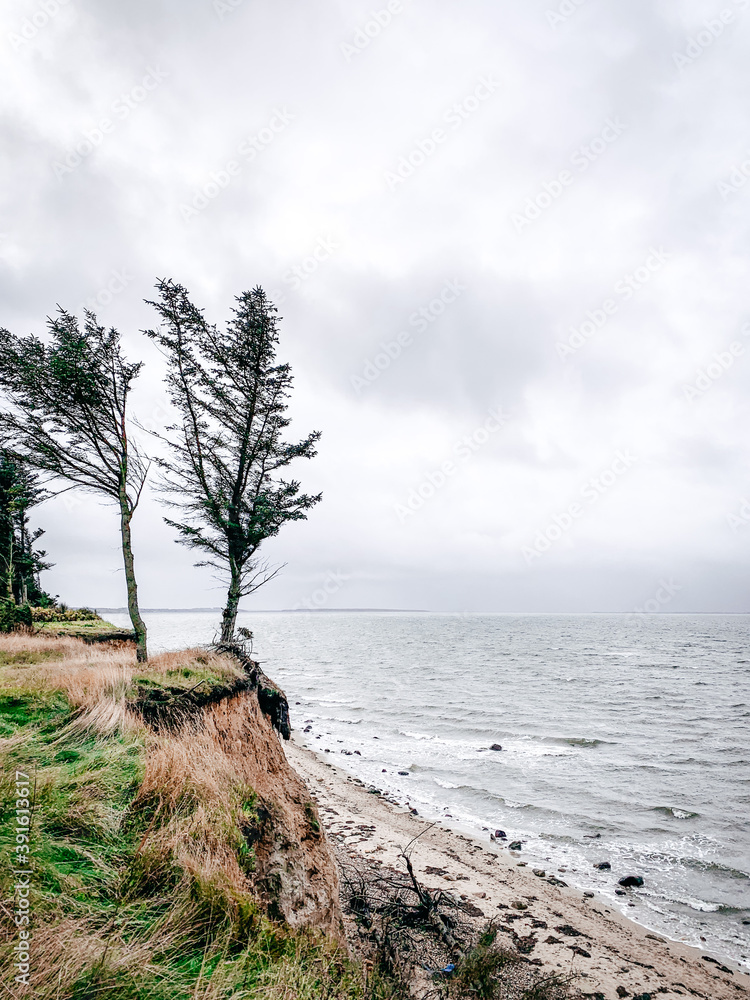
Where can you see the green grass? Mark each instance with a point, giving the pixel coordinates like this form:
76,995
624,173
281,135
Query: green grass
78,628
200,674
27,656
17,712
84,784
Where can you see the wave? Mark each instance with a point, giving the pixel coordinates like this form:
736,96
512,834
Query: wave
674,812
698,864
325,701
582,742
692,902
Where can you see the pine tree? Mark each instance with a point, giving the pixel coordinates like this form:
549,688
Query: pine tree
65,412
227,449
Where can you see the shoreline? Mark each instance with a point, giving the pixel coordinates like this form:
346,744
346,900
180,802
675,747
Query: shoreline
607,949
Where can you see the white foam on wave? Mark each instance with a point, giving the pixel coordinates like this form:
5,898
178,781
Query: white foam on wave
331,701
699,905
529,749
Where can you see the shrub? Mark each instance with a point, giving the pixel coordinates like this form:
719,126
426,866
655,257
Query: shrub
63,614
14,616
479,972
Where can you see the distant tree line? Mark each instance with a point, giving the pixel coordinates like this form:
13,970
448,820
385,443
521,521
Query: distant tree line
65,422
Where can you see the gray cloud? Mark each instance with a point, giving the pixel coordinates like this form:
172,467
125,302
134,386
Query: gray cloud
318,107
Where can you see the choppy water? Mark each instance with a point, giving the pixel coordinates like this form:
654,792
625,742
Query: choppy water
634,728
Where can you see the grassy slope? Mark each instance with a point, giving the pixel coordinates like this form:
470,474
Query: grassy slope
91,628
142,884
82,623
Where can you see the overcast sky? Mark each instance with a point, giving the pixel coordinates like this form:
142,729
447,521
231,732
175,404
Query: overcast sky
509,242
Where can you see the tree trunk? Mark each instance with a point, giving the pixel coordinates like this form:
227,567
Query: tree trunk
25,551
139,626
229,617
11,568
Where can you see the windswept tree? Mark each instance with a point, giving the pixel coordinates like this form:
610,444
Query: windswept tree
64,411
227,450
20,561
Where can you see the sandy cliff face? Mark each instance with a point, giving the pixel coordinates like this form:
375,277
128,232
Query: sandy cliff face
296,873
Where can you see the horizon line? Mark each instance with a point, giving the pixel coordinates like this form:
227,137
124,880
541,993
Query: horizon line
409,611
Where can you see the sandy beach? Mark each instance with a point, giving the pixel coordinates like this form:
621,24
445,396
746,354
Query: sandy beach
562,930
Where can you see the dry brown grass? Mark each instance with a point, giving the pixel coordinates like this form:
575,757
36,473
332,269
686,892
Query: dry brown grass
185,770
220,665
81,672
195,795
96,679
63,949
16,642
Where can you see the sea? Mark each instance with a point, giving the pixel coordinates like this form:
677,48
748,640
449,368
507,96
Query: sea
625,739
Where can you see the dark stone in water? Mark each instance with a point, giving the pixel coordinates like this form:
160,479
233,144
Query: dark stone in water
405,774
631,882
516,845
620,892
496,746
501,835
603,866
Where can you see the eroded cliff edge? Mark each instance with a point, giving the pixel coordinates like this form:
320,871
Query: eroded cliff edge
295,876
